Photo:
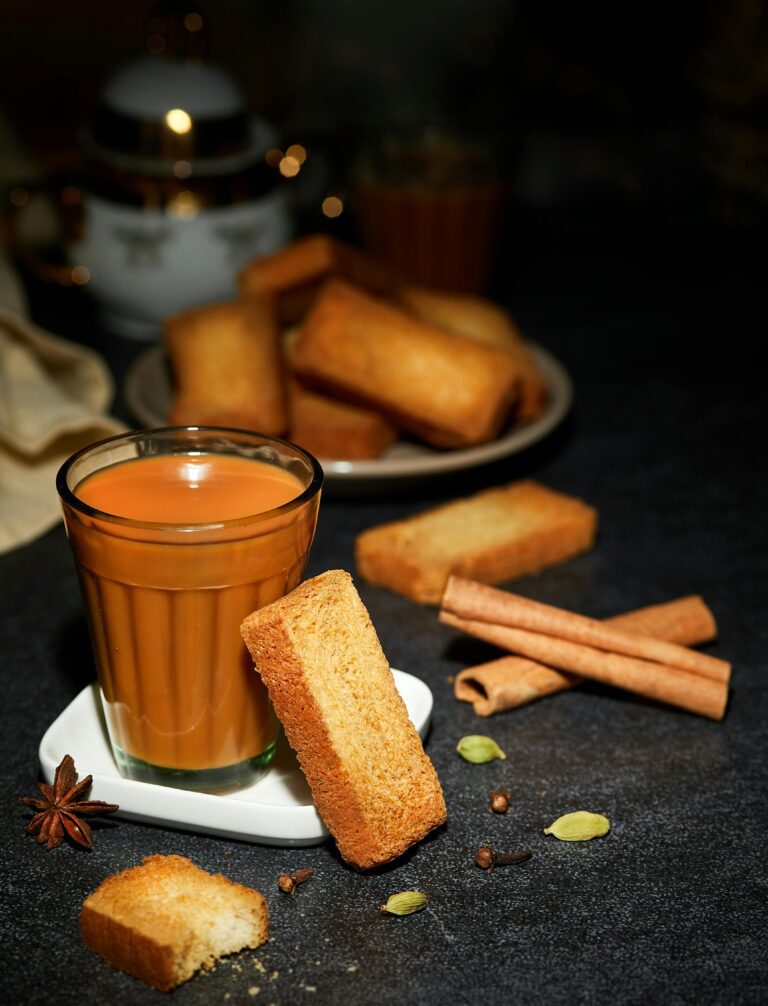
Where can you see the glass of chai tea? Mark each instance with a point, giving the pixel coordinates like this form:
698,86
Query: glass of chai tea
178,534
430,203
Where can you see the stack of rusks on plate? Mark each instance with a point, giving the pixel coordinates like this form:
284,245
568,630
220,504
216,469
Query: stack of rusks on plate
328,347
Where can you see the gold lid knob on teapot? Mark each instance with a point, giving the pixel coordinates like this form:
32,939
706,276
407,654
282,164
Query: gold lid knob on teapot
172,103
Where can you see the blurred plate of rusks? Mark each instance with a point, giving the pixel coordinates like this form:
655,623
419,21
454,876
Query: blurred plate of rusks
379,379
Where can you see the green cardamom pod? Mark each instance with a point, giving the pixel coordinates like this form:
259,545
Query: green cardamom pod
479,749
405,903
579,826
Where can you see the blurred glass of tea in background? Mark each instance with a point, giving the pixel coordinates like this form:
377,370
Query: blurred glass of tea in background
430,203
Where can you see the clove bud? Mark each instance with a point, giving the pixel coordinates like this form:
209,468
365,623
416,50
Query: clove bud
499,801
487,859
288,882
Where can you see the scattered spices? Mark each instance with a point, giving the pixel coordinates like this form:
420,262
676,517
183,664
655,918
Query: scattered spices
288,882
579,826
478,749
487,859
405,903
499,801
60,812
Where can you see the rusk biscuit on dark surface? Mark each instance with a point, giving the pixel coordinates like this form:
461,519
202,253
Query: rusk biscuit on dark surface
496,535
165,919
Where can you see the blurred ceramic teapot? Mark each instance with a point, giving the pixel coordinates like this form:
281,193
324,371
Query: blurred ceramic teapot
176,194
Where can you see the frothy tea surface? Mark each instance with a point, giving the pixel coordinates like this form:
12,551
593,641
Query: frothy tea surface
189,488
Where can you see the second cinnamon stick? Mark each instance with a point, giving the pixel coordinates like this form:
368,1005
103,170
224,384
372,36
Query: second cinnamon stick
511,681
663,683
479,602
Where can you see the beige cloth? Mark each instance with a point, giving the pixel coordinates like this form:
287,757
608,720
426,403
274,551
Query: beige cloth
53,394
53,400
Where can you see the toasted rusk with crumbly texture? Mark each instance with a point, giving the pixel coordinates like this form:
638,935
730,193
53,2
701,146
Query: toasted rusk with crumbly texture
227,366
333,690
165,919
291,275
331,429
495,536
446,389
481,319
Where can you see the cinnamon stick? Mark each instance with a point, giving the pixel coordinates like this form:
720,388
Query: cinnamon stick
479,602
663,683
509,682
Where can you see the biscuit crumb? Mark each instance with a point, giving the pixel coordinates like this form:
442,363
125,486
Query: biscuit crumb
254,990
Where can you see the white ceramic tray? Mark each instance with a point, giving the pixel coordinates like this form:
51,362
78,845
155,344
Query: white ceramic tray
277,810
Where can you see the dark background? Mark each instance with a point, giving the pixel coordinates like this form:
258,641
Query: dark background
654,104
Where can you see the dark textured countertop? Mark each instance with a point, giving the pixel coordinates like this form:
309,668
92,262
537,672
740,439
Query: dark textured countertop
656,323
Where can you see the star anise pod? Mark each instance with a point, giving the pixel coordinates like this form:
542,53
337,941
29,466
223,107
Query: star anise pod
60,812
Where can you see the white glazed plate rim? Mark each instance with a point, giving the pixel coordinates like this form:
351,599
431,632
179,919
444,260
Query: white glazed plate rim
276,810
147,393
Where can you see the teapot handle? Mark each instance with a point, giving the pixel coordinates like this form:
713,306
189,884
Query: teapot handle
66,199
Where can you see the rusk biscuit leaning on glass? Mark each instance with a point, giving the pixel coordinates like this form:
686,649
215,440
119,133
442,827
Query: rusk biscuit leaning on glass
333,690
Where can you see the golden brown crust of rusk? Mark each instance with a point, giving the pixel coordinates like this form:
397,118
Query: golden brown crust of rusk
331,429
511,681
293,274
332,689
497,535
447,389
481,319
165,919
227,367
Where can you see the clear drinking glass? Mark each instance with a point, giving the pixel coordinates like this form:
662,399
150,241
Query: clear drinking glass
164,602
430,203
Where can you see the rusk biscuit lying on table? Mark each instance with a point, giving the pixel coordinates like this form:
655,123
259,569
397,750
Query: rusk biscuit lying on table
164,920
487,322
331,429
226,361
334,693
446,389
291,275
497,535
